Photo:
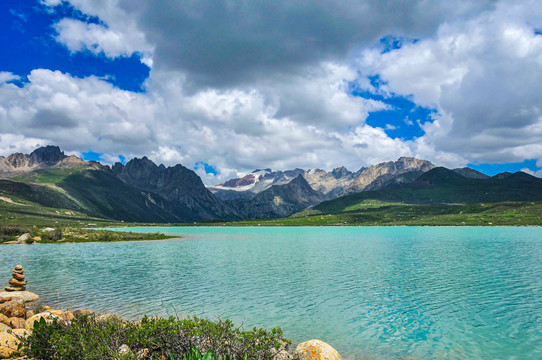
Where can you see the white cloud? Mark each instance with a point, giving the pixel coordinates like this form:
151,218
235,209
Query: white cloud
78,36
242,95
482,77
7,76
537,173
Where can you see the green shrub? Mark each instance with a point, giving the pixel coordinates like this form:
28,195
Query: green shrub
87,339
54,235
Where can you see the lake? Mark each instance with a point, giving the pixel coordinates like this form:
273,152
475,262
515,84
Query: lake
370,292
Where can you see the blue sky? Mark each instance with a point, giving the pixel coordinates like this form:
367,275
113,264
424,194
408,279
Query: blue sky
225,95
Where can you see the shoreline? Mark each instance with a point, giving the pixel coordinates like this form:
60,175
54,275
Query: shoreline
24,332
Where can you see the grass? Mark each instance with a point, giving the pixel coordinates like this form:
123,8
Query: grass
49,175
353,210
397,214
19,216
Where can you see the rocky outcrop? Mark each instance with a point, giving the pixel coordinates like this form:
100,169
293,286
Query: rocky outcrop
330,183
386,170
278,200
315,350
8,344
41,158
176,184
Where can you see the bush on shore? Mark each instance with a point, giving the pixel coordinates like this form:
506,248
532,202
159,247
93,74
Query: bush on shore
90,338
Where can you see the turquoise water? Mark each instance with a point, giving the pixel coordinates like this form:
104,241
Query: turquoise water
377,293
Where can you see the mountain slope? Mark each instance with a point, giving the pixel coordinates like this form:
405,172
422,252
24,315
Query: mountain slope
384,171
278,201
98,193
176,184
147,193
41,158
444,186
470,173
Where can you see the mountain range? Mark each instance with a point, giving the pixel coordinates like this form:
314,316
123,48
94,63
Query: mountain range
142,191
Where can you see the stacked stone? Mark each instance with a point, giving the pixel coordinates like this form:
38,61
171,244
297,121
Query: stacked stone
17,283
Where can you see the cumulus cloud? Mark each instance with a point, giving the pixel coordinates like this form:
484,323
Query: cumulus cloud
77,36
232,130
481,74
221,43
244,85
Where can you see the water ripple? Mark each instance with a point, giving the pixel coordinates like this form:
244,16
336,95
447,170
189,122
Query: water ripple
373,293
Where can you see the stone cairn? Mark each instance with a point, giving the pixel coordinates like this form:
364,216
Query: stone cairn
17,282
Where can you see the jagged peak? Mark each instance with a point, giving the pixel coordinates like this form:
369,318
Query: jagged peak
49,153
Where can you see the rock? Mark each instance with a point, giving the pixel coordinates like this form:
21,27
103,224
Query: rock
68,316
18,276
12,310
106,317
37,238
17,283
30,313
282,355
29,324
316,350
46,308
8,345
23,238
124,350
3,319
58,313
28,299
142,354
16,323
4,327
21,332
49,229
83,312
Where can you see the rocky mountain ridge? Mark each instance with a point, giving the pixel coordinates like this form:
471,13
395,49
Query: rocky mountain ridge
41,158
141,190
337,182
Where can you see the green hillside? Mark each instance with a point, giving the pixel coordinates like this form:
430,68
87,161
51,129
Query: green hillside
443,186
95,193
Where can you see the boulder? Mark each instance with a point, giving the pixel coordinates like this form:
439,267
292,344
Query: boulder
29,324
23,238
4,327
125,350
143,353
68,316
316,350
3,319
16,323
106,317
11,309
83,312
21,332
8,344
58,313
28,299
282,355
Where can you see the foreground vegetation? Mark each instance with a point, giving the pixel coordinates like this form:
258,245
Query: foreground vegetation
89,338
